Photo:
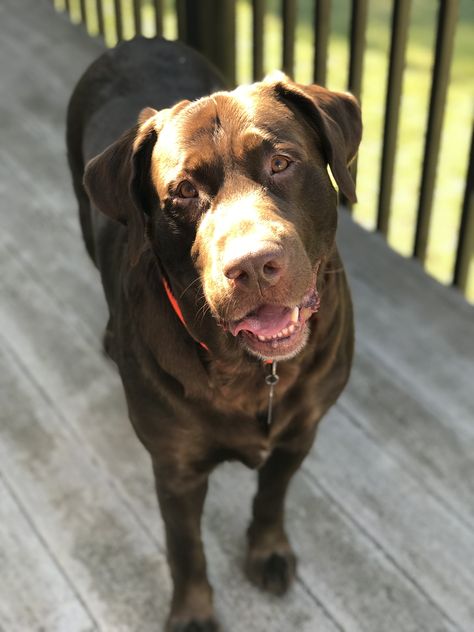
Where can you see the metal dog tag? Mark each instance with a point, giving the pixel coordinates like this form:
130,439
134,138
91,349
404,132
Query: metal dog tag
272,380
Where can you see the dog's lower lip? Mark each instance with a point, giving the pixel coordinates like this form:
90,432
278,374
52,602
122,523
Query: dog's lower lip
290,339
279,348
273,341
272,321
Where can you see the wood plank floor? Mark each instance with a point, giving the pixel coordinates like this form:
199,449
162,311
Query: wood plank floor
382,512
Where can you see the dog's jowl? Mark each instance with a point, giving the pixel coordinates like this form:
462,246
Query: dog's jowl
212,218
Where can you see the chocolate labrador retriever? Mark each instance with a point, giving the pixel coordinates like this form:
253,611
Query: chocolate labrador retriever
211,217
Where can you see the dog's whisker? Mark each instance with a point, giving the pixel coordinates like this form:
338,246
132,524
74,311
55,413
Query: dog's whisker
196,280
203,309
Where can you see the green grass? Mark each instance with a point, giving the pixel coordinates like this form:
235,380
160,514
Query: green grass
413,115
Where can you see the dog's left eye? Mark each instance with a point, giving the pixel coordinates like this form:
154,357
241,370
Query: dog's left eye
279,164
186,190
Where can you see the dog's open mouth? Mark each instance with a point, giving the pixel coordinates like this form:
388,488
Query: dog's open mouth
276,331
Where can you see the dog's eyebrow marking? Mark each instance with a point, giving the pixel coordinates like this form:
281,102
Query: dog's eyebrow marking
210,173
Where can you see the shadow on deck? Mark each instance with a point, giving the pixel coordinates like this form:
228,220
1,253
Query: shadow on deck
382,512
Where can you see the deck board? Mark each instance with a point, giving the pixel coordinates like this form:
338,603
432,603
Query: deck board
382,512
35,592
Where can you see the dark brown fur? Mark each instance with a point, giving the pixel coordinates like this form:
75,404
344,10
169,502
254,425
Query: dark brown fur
193,408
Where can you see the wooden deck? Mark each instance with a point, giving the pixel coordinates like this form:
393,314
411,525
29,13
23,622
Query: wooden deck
382,513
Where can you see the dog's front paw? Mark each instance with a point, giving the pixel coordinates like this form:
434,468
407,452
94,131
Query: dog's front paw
273,572
192,625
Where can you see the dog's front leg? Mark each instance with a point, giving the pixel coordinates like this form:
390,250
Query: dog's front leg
271,563
181,505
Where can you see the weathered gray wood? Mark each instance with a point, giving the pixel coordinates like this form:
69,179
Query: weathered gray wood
35,592
416,532
381,515
74,506
358,584
414,326
389,411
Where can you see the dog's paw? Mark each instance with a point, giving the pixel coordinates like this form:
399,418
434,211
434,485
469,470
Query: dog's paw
273,572
193,625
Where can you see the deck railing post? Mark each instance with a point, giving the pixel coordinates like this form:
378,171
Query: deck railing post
322,17
197,27
447,18
158,5
137,16
118,20
400,24
357,46
356,61
465,249
289,9
258,15
83,12
100,17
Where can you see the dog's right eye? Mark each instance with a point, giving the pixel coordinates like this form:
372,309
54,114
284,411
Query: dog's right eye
279,164
186,190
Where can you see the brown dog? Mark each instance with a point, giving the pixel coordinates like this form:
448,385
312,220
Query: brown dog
215,241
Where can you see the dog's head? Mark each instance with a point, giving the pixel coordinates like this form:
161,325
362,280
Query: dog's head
233,193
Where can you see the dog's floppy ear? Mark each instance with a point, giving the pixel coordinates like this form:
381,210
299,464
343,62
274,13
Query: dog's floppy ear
118,180
336,117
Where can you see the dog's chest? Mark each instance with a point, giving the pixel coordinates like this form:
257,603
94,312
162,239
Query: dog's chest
246,433
251,390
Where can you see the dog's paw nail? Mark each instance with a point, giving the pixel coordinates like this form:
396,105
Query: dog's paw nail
273,573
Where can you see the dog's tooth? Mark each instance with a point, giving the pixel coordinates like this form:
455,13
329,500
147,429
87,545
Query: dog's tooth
291,329
285,331
278,335
261,338
295,314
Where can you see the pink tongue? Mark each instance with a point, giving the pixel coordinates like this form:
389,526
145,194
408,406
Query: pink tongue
267,320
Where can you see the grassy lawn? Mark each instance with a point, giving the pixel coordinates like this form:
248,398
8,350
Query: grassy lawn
413,116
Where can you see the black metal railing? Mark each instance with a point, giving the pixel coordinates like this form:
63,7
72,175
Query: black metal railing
210,26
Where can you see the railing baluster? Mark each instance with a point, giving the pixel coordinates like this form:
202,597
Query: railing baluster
137,17
158,16
258,15
447,18
289,11
465,249
357,46
196,22
400,24
322,17
356,60
67,6
118,20
182,20
225,40
83,12
100,17
198,31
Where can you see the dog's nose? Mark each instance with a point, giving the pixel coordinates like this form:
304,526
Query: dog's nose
256,269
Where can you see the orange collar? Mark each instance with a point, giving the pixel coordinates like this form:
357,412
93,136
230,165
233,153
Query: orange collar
178,312
271,380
